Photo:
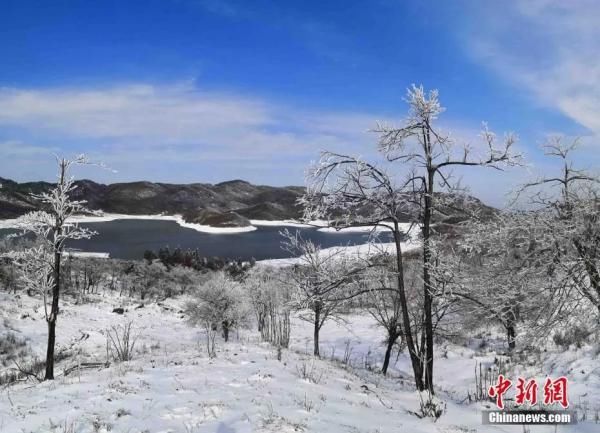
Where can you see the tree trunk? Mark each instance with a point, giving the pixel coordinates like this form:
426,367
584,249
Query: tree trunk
53,316
427,297
261,321
593,275
225,326
511,334
56,288
410,344
317,327
388,352
50,350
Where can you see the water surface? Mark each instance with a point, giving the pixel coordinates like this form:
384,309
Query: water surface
128,239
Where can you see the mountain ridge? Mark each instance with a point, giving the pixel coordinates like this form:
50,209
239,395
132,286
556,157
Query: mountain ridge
225,204
231,203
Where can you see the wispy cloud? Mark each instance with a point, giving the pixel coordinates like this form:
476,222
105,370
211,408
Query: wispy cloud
17,149
179,133
177,115
173,113
178,123
550,48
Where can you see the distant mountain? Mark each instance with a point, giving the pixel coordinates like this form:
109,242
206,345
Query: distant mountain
225,204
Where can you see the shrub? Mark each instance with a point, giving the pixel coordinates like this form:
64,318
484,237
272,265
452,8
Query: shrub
309,372
219,303
430,406
121,342
577,335
11,348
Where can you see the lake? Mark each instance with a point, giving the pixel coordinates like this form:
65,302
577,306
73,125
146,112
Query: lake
128,239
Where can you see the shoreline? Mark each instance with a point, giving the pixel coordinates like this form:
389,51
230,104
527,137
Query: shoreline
357,251
320,225
107,217
175,218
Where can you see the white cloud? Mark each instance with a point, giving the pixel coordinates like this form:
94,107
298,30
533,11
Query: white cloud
136,128
172,113
176,116
19,150
177,133
550,48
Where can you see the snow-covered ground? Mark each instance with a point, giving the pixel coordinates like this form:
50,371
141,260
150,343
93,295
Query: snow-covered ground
87,254
324,226
288,223
355,251
172,386
361,250
363,229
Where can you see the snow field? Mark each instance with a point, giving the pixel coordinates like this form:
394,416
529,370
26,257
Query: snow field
172,386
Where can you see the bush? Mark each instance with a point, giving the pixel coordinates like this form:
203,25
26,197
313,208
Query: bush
577,335
430,406
220,303
309,372
121,342
12,348
23,370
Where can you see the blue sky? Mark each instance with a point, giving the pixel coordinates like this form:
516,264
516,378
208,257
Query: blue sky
207,90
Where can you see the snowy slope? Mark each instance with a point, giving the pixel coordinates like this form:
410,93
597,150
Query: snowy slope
172,386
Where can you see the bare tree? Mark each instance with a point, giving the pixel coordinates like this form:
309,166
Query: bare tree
496,272
40,267
384,304
571,219
349,192
323,281
364,193
429,152
270,297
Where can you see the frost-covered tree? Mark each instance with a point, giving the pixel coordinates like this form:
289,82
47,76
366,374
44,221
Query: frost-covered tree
532,267
494,271
341,186
152,280
270,297
40,267
8,275
384,304
322,280
348,191
218,303
570,215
